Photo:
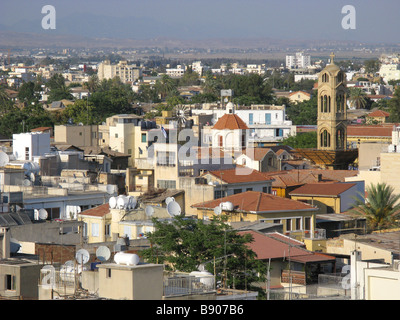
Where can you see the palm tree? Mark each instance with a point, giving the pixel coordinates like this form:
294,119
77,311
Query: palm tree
165,85
380,208
357,98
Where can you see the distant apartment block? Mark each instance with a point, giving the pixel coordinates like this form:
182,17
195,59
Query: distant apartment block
390,72
299,60
177,72
127,73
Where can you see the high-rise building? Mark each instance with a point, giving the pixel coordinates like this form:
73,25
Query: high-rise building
299,60
127,73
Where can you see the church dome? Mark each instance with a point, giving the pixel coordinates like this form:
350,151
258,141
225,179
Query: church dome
230,122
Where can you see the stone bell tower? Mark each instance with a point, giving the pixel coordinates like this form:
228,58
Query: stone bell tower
332,112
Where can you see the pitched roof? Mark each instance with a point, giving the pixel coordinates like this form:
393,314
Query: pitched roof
256,154
99,211
272,246
235,175
231,122
296,177
322,189
370,130
296,92
378,113
257,202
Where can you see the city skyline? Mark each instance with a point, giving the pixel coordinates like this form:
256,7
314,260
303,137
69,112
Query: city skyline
179,19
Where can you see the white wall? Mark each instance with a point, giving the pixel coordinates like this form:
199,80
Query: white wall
38,144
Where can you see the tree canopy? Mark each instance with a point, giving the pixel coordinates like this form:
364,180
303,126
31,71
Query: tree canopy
184,244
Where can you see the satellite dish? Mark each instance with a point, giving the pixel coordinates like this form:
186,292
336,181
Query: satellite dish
103,253
112,202
43,215
132,202
149,211
169,199
82,256
27,183
110,189
4,159
217,210
14,245
173,208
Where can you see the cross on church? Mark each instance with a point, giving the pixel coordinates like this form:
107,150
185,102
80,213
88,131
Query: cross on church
332,55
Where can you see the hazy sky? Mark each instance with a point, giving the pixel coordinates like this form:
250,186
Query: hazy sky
376,21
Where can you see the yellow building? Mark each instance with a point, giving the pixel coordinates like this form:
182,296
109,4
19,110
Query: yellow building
299,96
298,218
328,197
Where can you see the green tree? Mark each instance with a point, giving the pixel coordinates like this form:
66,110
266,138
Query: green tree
380,208
304,113
184,244
394,106
301,140
27,93
165,85
372,65
357,98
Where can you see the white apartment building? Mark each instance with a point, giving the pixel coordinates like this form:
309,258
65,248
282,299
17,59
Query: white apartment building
256,68
179,71
26,146
266,123
390,72
299,60
127,73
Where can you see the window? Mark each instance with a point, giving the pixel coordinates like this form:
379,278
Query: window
10,283
116,135
129,151
236,191
165,158
95,229
107,232
219,194
27,153
279,132
166,184
220,141
277,221
298,223
249,189
108,273
127,231
288,224
80,133
307,223
250,118
267,118
144,139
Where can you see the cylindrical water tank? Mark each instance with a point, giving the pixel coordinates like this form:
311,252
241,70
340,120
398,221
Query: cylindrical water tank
227,206
206,278
129,259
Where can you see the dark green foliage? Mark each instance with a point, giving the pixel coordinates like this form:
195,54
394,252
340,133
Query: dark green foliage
301,140
184,244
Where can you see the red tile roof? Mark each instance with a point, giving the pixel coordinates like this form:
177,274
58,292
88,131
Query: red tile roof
267,246
257,153
379,113
370,130
322,189
231,122
99,211
257,202
240,174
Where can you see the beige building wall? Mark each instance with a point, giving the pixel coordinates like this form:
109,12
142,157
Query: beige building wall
195,193
382,284
123,282
369,154
80,136
390,170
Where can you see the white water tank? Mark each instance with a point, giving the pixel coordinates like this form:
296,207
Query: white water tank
227,206
129,259
206,278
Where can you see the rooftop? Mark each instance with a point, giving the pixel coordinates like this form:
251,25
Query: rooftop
231,122
257,202
322,189
236,176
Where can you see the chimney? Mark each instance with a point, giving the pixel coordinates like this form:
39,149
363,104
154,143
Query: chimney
319,177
